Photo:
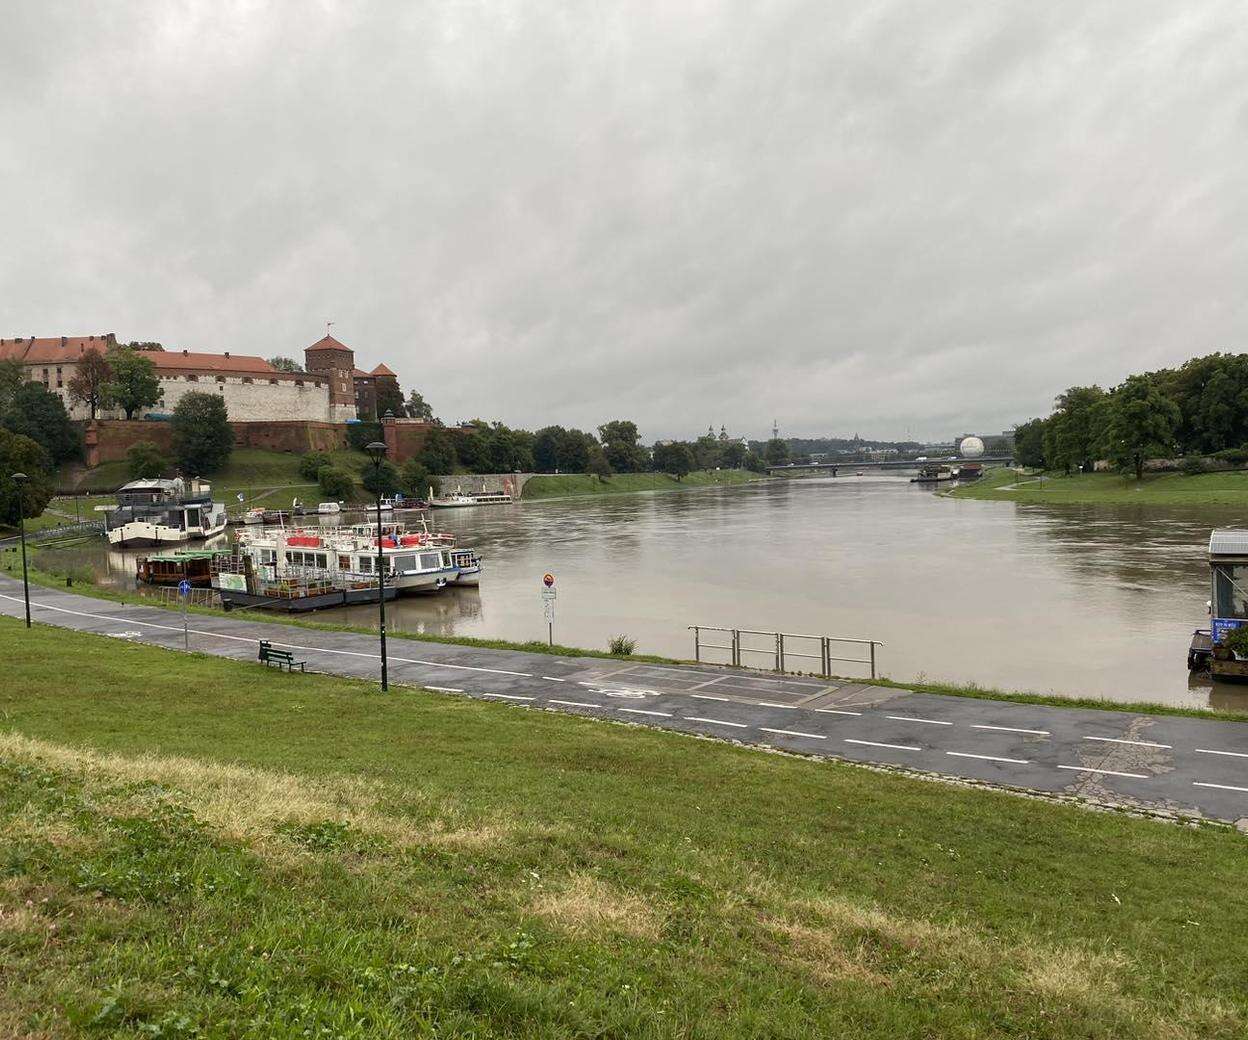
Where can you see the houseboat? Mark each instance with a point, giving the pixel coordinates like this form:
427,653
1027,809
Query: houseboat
163,512
1228,608
173,568
931,473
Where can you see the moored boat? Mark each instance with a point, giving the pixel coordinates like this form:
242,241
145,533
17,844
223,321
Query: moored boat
173,568
163,512
459,499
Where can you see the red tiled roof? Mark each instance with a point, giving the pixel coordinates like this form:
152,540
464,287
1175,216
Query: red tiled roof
359,373
381,370
52,349
175,360
328,343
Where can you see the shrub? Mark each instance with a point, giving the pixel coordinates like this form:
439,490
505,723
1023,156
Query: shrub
144,461
310,465
336,484
383,480
1193,465
361,434
1235,456
417,480
621,646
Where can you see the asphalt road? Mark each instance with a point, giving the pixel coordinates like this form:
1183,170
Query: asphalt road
1184,765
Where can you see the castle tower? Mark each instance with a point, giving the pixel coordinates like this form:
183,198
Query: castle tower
336,363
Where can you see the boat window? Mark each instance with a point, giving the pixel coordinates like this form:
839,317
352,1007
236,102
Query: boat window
268,556
366,564
1230,584
403,563
430,561
322,560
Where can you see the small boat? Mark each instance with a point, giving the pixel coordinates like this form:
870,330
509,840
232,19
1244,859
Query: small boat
932,474
459,499
469,565
173,568
254,516
329,508
387,505
860,473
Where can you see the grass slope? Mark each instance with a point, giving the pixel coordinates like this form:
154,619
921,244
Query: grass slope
565,484
1156,489
199,847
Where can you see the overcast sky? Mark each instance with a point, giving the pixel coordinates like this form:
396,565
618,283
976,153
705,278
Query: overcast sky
885,217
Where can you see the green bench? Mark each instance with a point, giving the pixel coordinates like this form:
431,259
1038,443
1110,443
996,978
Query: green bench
270,654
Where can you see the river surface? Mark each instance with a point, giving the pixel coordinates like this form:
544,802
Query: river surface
1081,601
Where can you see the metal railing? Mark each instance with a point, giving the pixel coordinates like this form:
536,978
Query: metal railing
169,596
782,648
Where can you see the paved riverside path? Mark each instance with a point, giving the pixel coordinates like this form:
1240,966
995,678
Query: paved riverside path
1185,765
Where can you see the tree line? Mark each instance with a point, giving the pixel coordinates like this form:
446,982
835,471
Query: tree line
1200,408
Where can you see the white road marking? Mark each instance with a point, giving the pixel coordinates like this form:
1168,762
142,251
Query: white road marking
988,758
708,697
507,696
642,711
1014,729
445,689
916,718
1136,743
1107,772
794,733
1210,751
716,722
1220,787
873,743
837,711
576,704
768,704
554,678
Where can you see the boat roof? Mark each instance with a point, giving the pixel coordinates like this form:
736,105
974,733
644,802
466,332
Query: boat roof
151,485
186,554
1228,541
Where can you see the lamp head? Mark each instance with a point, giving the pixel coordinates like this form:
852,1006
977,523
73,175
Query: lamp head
376,450
20,478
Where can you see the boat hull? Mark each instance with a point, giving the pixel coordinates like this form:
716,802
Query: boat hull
231,599
140,535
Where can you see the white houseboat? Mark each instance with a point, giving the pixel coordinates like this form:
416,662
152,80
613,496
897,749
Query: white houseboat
163,512
459,499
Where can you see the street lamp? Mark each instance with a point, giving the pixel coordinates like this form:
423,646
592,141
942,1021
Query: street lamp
20,480
377,452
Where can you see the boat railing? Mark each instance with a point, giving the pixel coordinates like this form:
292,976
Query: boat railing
785,649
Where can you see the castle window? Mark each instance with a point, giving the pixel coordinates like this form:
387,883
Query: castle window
298,382
248,379
59,384
192,379
272,382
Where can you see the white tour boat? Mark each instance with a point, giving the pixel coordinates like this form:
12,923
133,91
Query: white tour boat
459,499
163,512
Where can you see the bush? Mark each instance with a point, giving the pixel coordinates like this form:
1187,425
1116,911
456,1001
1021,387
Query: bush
417,480
336,484
362,434
202,437
1193,465
145,461
383,480
1235,456
621,646
1237,640
311,464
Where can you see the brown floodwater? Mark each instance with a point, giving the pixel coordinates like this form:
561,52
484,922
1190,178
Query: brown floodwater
1074,600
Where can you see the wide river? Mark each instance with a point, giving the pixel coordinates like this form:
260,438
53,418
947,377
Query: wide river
1082,601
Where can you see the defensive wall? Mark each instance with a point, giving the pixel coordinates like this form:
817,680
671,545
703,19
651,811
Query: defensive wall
108,440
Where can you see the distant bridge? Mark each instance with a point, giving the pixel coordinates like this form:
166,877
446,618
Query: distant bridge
832,467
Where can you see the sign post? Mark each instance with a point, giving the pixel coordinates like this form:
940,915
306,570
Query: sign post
548,605
184,590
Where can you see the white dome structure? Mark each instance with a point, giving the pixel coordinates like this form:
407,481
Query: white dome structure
971,448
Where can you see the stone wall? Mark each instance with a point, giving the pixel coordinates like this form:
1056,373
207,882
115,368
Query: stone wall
253,399
475,483
108,440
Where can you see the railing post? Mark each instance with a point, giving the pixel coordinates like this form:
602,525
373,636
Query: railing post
779,651
872,658
697,644
736,648
827,657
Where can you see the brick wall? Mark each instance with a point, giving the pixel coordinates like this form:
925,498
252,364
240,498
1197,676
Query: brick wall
108,440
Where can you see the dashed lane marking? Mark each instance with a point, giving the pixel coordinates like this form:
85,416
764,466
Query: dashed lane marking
553,678
837,711
507,696
873,743
794,733
1232,754
1134,743
916,718
708,697
1221,787
769,704
642,711
1015,729
576,704
988,758
1106,772
716,722
445,689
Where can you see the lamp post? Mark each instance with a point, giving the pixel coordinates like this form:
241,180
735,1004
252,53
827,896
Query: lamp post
377,452
20,480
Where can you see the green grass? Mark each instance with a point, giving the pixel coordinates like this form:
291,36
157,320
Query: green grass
1156,489
191,846
568,484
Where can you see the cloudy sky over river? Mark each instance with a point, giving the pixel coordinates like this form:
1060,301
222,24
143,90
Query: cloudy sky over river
876,216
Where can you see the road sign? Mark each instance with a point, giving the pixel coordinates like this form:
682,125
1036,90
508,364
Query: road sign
184,588
548,580
549,606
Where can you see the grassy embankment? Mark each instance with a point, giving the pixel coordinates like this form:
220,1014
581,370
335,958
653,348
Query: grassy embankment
200,847
1156,489
566,484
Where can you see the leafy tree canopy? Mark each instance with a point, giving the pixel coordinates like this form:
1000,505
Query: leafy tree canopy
417,407
285,364
39,414
87,386
145,461
21,454
202,438
133,384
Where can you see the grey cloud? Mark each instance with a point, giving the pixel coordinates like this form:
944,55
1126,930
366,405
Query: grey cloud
871,216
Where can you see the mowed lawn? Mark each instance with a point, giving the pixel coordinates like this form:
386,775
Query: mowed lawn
197,847
562,485
1155,489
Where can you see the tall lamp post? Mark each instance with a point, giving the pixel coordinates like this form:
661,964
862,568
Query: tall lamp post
377,452
20,480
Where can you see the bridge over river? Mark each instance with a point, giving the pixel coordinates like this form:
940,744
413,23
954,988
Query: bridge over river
887,464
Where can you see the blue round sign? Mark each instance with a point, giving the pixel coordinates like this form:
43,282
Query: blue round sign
184,587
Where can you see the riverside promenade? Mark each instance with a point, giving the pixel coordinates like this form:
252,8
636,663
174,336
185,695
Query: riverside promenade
1161,763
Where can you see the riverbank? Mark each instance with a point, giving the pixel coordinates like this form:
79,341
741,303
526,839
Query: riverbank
1155,489
567,485
238,859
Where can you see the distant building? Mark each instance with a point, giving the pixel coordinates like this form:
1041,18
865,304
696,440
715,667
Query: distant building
366,387
335,362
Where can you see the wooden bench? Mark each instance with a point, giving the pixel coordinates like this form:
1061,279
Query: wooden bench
270,654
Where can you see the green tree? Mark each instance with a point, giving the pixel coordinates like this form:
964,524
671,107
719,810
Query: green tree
145,461
202,437
437,454
381,480
362,434
418,407
675,459
754,463
707,452
598,466
1070,435
471,448
1029,443
389,398
88,382
285,364
39,414
546,448
621,448
310,465
336,484
732,455
1141,424
11,379
776,452
133,384
20,454
417,480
